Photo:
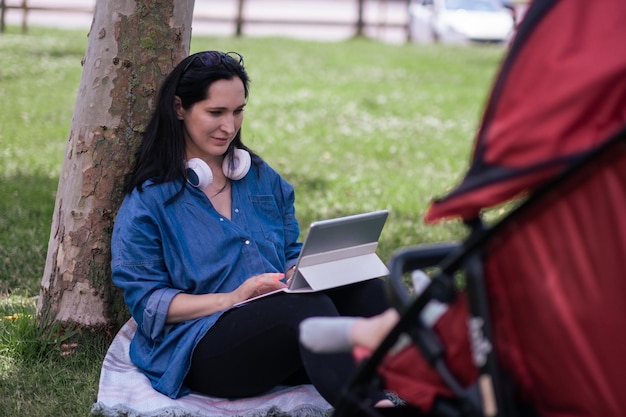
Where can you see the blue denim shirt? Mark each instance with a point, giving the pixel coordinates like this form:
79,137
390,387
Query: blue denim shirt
160,250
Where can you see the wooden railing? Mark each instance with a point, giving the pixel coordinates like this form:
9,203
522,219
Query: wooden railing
25,8
239,20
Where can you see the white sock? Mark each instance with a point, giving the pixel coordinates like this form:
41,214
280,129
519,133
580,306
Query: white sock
327,334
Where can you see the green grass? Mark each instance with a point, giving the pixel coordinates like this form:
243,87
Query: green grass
354,126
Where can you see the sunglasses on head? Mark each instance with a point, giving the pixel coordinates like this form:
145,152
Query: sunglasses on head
213,58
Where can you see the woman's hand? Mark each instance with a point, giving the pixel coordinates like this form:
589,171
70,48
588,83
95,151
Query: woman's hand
259,285
289,274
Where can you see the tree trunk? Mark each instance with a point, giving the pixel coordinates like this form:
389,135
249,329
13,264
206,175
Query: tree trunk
132,45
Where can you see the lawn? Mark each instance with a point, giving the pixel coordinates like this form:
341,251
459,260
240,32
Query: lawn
354,126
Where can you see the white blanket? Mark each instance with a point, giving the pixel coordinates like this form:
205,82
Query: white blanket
125,392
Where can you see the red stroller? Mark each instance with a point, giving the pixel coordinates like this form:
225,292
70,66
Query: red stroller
538,326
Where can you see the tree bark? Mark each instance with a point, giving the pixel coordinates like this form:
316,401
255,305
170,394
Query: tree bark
132,45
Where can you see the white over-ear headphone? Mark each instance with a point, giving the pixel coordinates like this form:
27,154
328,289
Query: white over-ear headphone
200,176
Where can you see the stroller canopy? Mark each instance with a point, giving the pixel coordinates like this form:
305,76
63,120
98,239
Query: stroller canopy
560,93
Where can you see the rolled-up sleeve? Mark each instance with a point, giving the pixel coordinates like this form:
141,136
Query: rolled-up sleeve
155,312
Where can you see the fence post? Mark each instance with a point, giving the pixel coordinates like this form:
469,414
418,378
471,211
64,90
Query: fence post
2,8
239,19
360,24
409,35
24,12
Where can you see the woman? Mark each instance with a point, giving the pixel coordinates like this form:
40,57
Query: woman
205,224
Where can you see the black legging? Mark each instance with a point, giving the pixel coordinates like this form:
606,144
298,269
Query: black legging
254,348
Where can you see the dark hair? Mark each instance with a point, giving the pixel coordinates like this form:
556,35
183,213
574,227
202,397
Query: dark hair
161,153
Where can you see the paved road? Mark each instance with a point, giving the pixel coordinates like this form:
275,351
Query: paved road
385,15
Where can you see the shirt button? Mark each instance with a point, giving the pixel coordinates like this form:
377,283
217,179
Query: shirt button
221,219
247,242
236,210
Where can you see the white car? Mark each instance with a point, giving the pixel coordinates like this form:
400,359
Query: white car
460,21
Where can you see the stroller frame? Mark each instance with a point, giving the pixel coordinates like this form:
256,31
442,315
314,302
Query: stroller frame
492,395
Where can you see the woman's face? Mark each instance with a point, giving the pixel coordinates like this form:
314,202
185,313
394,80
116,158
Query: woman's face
210,125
